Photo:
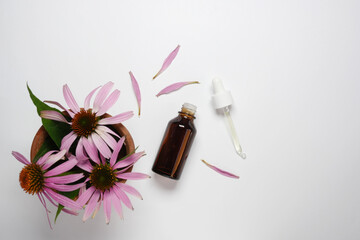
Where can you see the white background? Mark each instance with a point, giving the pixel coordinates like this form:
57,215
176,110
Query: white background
292,67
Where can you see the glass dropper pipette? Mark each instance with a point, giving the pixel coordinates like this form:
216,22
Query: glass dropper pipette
222,100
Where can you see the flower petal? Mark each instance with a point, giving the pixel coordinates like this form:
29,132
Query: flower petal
110,141
69,212
61,168
53,159
20,157
65,179
68,140
103,160
42,200
117,204
109,102
130,160
50,199
70,100
101,145
123,197
53,115
91,150
174,87
66,202
85,196
88,98
85,165
80,155
132,175
222,172
98,205
116,151
116,119
136,88
91,205
71,114
168,61
45,157
108,130
107,206
129,189
100,97
64,188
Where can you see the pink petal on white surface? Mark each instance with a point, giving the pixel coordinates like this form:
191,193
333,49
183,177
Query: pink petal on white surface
88,98
129,189
117,118
107,206
53,115
124,198
168,61
136,90
117,204
20,157
100,97
90,207
174,87
222,172
133,176
42,200
98,205
109,102
116,151
70,100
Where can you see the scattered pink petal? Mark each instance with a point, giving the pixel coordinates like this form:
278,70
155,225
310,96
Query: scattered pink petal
174,87
168,61
222,172
136,90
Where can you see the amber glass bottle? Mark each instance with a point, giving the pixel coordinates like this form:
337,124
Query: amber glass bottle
176,143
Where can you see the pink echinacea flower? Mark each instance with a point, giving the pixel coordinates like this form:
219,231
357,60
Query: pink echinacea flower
88,124
104,183
42,179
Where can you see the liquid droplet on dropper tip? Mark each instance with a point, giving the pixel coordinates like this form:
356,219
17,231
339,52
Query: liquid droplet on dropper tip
242,154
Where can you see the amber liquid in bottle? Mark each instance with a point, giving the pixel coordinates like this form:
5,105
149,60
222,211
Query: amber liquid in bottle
175,146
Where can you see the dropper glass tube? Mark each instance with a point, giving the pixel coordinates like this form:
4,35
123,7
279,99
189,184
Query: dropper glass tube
232,130
222,100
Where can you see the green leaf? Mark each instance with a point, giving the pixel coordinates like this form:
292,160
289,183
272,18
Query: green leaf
70,195
47,146
56,130
60,207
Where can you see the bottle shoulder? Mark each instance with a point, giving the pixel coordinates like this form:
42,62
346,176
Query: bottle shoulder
184,121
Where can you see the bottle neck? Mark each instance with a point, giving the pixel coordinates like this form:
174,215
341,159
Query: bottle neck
186,115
